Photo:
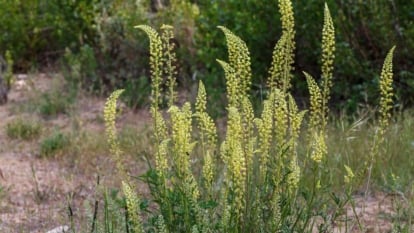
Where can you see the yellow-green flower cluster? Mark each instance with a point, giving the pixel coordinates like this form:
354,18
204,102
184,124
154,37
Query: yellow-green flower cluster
208,171
264,127
169,60
349,175
386,91
156,62
277,77
208,135
160,128
294,175
181,123
239,60
280,117
287,17
249,139
234,159
328,55
205,122
319,149
161,161
109,117
232,84
132,203
160,224
316,112
295,117
385,105
283,53
276,213
162,141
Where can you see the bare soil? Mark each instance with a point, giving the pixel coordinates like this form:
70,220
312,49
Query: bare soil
37,192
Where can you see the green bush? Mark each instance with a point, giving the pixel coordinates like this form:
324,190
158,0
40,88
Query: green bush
109,55
363,30
116,58
50,104
53,144
36,32
23,129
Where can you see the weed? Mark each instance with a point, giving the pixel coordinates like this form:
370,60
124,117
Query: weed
23,129
54,143
261,175
39,194
53,103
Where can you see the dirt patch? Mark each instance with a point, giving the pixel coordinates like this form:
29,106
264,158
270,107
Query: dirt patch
36,193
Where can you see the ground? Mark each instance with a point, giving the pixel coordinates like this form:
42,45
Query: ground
37,193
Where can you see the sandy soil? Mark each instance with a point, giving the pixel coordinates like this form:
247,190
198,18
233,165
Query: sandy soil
37,192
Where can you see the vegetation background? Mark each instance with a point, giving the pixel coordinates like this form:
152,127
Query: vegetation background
96,44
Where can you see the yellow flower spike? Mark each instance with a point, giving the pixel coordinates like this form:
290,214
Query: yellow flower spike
280,117
265,126
201,100
287,17
276,69
132,203
316,112
328,55
319,149
160,128
232,85
170,59
208,136
294,175
349,175
283,53
386,92
236,159
160,224
181,124
110,128
239,60
161,161
248,130
208,171
275,207
205,122
156,63
295,117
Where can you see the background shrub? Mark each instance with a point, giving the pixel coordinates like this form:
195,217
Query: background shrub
363,30
54,143
23,129
108,53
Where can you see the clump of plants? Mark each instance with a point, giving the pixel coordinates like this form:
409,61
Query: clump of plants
24,129
51,104
261,175
53,144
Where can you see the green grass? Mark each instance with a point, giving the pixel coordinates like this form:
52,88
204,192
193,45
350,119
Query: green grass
53,144
53,103
25,129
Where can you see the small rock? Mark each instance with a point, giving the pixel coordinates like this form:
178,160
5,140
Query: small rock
61,229
21,76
